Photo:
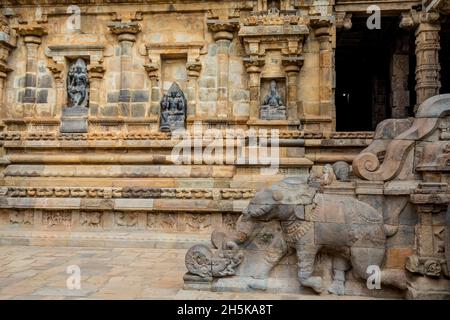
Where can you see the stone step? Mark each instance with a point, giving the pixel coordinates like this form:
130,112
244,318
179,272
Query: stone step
110,239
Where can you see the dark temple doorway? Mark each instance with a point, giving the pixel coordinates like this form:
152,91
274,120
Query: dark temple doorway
373,72
444,56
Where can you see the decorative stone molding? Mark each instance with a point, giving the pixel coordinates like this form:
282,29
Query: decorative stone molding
223,29
126,192
343,20
149,135
284,18
126,31
60,52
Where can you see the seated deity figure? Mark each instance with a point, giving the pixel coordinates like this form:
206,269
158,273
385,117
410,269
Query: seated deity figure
273,107
173,109
273,10
78,85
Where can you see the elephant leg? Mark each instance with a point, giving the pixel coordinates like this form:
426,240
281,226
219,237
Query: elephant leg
306,255
340,265
361,258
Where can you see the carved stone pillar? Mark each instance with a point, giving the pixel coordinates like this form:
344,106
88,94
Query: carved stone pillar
57,70
427,55
32,37
152,71
254,71
323,34
193,72
126,35
7,43
292,69
96,72
223,32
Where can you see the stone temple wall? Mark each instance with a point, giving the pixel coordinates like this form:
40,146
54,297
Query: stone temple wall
95,97
104,170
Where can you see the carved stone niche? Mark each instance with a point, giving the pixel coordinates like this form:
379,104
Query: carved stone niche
163,68
273,43
72,66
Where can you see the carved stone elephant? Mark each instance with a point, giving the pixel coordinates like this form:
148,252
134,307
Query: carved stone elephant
350,230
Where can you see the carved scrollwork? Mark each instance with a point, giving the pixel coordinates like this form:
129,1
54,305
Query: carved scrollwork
367,165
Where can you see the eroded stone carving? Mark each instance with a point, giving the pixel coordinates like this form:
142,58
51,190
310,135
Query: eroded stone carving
173,109
74,116
126,219
54,219
359,223
91,219
21,217
78,85
273,107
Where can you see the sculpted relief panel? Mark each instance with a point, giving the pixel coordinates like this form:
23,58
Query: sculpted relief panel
350,219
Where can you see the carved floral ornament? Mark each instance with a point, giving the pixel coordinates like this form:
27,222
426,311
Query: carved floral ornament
281,19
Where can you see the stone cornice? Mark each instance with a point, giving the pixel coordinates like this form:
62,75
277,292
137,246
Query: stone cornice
34,30
119,28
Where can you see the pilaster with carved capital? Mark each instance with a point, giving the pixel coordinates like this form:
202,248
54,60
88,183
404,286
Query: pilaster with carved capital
152,70
253,66
32,34
57,69
427,55
126,35
96,72
223,33
323,31
193,72
7,44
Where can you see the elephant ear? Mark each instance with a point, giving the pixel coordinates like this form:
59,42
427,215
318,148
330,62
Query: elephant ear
299,212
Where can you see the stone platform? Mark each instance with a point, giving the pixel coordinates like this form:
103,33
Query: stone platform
35,272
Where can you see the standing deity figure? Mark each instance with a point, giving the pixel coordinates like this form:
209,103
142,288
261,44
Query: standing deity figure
173,109
273,107
78,85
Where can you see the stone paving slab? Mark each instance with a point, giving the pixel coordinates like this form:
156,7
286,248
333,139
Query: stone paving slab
31,272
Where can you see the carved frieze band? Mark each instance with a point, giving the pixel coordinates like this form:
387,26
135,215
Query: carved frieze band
109,219
46,136
128,192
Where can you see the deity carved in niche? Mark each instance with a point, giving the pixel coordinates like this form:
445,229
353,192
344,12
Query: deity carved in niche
173,109
78,85
273,107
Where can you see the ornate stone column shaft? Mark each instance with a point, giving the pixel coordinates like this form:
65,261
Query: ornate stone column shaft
7,44
32,37
323,34
292,72
254,72
223,32
57,70
96,72
152,71
193,72
427,55
126,35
